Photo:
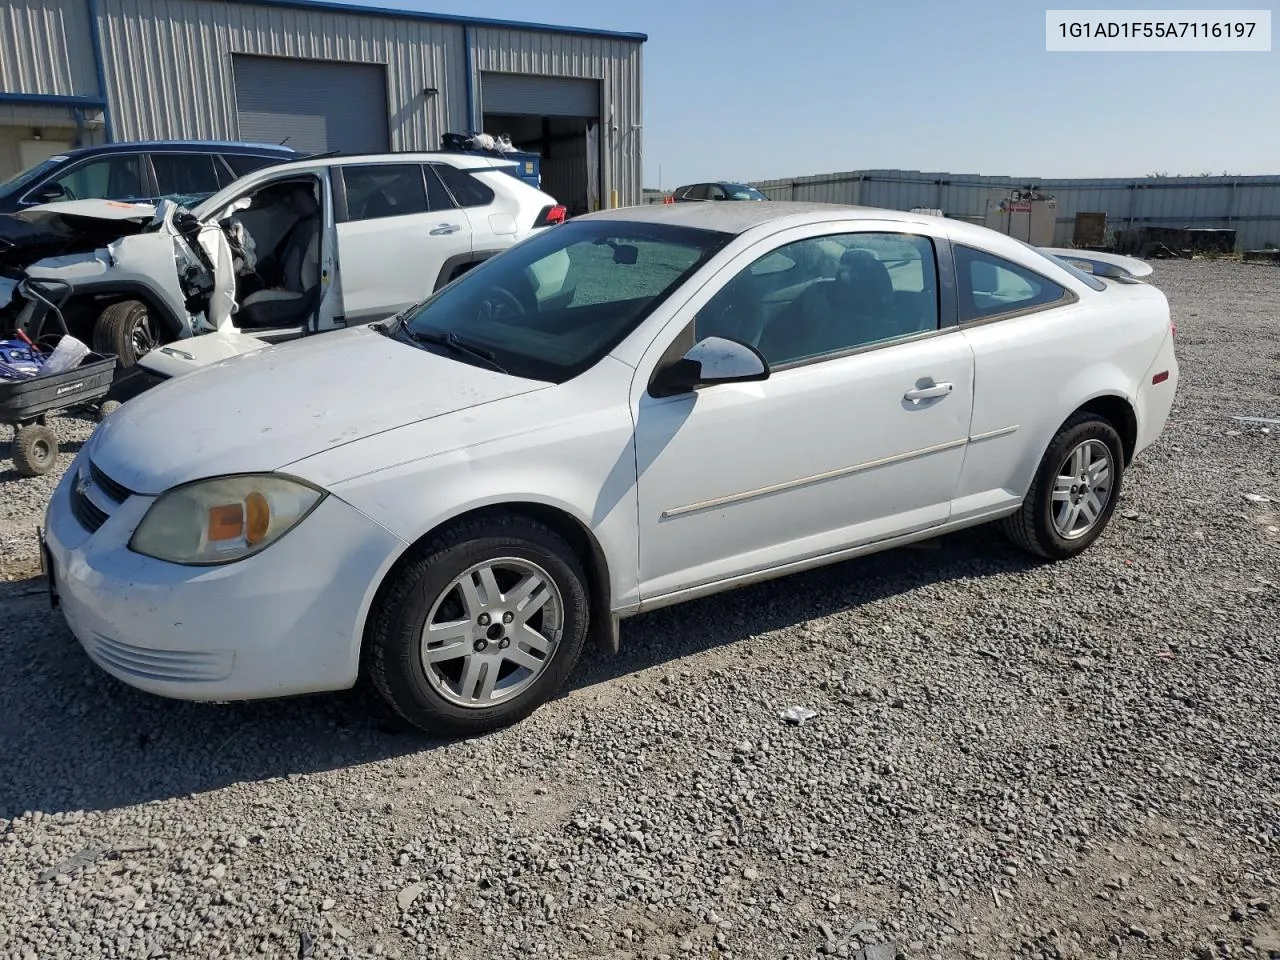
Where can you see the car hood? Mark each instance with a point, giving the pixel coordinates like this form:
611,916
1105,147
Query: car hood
265,410
74,226
98,209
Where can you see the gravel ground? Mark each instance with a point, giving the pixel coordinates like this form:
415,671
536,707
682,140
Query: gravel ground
1008,760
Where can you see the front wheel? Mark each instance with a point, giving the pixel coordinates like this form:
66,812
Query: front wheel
1075,491
481,627
127,330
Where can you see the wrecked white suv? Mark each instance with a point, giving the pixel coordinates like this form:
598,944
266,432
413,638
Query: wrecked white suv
293,249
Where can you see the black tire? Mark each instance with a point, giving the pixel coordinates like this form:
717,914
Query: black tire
35,450
127,330
1032,528
393,647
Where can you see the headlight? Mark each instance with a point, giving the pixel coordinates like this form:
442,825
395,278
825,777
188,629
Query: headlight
225,519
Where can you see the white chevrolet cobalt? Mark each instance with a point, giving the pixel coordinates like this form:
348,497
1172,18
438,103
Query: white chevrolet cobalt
631,409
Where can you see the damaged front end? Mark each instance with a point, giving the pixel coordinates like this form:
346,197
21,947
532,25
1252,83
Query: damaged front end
68,266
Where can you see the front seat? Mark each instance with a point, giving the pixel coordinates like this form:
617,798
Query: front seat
298,291
853,308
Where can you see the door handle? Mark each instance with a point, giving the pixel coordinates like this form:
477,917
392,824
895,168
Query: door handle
442,228
928,393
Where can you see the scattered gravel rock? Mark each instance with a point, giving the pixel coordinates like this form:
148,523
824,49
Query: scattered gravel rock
1017,803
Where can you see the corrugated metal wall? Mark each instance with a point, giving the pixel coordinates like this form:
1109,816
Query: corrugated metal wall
46,47
615,62
169,73
1249,205
168,64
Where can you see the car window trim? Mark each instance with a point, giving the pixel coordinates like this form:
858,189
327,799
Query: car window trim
145,174
428,171
1068,297
155,177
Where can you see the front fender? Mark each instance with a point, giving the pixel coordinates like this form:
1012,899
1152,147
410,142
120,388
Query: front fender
140,267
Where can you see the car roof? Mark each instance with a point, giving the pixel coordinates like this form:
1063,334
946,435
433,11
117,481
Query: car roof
741,217
466,161
165,146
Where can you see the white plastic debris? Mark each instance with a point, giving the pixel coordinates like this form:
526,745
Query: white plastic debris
66,356
797,715
1257,498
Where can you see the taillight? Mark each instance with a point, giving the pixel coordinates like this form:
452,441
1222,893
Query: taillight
550,216
1173,329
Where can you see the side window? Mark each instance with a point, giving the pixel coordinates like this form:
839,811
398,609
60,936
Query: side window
828,295
242,163
437,196
108,178
384,190
699,191
716,192
990,285
466,189
184,174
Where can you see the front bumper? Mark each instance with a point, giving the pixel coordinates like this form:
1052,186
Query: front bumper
286,621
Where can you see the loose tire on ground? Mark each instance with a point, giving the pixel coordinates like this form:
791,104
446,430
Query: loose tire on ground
414,681
125,329
1033,527
35,450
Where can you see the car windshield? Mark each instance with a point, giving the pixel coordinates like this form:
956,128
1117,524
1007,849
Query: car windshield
30,175
552,306
740,191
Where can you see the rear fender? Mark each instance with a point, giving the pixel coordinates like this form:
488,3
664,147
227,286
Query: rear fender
1101,380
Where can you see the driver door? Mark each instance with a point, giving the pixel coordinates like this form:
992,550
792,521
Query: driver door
857,435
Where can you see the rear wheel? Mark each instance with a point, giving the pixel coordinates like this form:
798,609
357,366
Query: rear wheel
1075,490
126,329
35,450
481,627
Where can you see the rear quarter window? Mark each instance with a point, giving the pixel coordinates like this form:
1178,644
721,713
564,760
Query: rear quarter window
467,189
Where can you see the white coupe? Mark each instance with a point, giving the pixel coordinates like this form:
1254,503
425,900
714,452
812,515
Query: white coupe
634,408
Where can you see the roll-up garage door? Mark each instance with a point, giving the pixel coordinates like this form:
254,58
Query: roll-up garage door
517,93
317,104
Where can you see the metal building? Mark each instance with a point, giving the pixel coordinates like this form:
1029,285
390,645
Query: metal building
1248,205
321,76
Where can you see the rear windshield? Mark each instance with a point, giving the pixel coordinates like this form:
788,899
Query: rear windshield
30,175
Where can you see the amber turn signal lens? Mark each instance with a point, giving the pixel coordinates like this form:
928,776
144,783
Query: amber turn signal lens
226,522
257,518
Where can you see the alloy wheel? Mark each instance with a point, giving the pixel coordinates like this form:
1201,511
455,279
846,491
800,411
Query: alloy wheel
1083,489
492,631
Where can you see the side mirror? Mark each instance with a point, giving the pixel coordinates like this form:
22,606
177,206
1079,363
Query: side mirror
50,193
710,361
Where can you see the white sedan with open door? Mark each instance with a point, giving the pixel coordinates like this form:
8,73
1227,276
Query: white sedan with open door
636,408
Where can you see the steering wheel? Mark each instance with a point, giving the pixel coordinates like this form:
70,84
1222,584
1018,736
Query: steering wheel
499,302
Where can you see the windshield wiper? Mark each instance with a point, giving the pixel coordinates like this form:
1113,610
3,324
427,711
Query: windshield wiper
451,340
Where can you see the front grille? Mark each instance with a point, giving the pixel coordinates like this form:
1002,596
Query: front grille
90,515
93,495
115,491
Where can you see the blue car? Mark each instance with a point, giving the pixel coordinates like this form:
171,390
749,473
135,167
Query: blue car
144,170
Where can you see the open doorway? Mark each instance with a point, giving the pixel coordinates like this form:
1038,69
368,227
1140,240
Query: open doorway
557,118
